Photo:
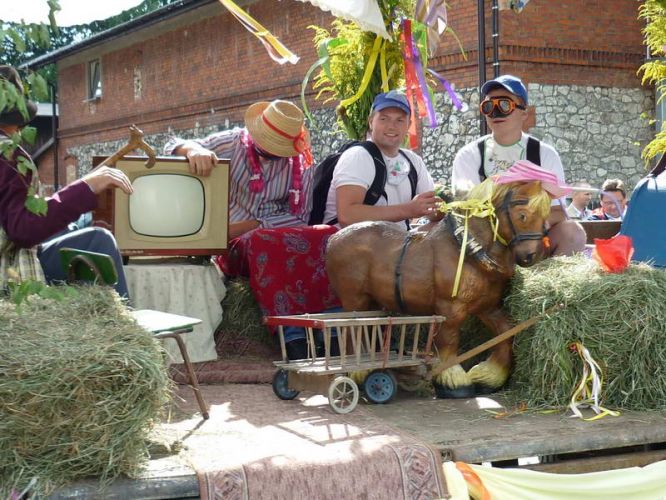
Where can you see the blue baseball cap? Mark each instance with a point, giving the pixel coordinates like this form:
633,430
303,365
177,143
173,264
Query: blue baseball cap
391,99
509,82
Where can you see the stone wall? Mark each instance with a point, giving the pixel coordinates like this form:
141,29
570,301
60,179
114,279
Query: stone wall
599,132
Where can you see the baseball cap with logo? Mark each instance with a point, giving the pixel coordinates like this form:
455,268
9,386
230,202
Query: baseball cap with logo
508,82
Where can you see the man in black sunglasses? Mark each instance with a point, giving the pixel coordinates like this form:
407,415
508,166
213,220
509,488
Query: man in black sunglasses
504,105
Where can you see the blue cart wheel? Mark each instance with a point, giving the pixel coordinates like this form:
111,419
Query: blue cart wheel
281,386
380,386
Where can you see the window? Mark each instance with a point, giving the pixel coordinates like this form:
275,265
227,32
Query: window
94,79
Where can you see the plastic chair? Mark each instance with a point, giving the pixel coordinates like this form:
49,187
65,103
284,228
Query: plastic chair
82,265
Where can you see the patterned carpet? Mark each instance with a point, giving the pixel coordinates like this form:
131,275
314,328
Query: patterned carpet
256,446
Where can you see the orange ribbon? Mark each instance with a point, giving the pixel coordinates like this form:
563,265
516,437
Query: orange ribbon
300,144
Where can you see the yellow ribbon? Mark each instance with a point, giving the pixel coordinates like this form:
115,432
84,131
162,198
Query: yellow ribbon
465,209
278,52
382,69
367,75
585,394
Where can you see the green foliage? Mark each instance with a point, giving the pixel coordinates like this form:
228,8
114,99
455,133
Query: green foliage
342,77
21,292
653,12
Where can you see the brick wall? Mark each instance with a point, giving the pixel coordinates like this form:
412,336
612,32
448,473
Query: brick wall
206,69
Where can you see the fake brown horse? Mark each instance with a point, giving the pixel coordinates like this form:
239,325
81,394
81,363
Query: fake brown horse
374,265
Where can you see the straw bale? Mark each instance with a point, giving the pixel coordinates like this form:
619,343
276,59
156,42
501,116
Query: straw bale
619,318
81,385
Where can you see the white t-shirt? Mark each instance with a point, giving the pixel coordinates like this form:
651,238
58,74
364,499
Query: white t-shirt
357,168
498,158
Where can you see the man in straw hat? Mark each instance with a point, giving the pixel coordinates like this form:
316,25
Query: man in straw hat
26,252
270,188
270,182
504,106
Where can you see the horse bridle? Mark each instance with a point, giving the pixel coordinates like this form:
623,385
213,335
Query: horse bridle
506,205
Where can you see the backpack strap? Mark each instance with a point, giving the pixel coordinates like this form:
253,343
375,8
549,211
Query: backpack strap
533,153
481,144
376,189
413,175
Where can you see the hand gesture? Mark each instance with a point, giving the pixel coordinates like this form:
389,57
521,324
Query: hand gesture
106,177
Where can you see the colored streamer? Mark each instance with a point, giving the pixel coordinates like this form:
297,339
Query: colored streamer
432,13
417,78
454,98
276,50
584,394
367,75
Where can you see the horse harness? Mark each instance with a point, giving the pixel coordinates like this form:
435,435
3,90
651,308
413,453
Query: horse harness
473,247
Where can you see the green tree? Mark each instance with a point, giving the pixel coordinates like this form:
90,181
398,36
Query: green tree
654,71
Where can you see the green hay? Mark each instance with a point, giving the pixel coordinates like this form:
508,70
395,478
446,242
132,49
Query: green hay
619,318
80,387
242,315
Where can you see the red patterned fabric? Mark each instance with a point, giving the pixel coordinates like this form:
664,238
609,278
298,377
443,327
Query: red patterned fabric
286,268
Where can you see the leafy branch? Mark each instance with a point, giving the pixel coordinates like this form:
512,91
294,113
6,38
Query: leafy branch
654,71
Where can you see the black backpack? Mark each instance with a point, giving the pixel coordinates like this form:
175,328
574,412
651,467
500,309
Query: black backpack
532,154
323,175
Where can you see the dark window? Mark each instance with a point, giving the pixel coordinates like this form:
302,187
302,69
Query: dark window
94,79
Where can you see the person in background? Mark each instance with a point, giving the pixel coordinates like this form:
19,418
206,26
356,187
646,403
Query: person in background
355,171
504,106
580,199
28,248
270,182
613,197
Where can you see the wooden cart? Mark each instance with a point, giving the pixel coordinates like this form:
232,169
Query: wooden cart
369,341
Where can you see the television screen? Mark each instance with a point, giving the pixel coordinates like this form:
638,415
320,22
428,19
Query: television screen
182,200
171,211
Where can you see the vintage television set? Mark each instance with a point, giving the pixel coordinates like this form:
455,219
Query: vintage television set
170,212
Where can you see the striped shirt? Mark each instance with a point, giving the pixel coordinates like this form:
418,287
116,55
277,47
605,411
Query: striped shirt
271,206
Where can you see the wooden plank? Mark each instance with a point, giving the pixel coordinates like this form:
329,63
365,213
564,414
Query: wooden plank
600,463
341,365
323,321
463,430
181,487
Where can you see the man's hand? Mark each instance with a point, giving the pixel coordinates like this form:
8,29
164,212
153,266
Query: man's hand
423,205
106,177
202,161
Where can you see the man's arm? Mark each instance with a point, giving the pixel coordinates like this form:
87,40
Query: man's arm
465,170
350,207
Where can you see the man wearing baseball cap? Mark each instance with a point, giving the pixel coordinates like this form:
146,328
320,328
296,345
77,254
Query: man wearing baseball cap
355,171
504,105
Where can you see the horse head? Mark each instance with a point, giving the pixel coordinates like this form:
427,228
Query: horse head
521,209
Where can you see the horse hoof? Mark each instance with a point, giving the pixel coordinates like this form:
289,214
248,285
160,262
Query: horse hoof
443,392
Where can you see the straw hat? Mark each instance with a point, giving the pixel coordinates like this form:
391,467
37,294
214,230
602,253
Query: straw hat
526,171
277,128
13,116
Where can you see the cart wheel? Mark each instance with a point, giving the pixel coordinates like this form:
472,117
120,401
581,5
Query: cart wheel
343,394
281,385
380,386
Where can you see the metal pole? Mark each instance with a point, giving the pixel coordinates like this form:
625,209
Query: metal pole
54,135
496,62
481,26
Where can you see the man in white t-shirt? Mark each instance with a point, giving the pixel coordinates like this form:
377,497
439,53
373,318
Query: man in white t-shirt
505,109
355,172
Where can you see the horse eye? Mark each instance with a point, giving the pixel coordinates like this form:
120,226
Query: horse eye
522,217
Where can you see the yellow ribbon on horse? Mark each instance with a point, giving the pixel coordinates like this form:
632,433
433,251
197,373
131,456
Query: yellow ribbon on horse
465,209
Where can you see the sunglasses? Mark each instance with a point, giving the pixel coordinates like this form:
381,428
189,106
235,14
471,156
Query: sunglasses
504,105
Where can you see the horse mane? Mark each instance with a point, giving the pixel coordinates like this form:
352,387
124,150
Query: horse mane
539,202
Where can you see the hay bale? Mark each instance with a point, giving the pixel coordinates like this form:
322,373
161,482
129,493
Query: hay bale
80,387
620,318
242,321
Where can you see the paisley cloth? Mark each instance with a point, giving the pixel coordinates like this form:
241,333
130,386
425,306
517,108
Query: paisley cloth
286,268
